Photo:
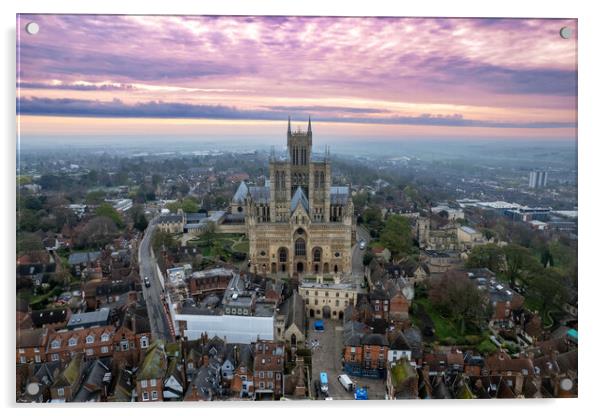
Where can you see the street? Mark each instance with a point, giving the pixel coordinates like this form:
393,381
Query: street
357,257
148,267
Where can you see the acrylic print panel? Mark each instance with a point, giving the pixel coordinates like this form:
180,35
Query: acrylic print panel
182,235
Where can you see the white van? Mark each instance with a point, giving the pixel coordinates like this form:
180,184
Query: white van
346,382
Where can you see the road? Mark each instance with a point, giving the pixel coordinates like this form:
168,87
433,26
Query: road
148,267
357,255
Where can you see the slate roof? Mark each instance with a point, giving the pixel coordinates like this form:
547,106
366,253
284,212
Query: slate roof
87,319
93,382
241,193
80,258
299,198
294,310
353,332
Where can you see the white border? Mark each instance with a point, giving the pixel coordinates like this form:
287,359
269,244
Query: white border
589,186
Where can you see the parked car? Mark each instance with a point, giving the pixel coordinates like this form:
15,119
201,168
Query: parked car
362,245
147,281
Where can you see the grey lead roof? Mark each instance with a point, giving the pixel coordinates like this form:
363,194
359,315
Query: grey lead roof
260,194
299,198
339,195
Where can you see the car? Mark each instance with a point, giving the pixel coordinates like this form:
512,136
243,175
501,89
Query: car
147,281
362,245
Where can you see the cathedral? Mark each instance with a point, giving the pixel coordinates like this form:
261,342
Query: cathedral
297,222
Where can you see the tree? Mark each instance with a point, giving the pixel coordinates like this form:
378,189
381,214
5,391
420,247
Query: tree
28,242
372,218
95,197
368,256
490,256
397,236
190,205
106,210
161,240
140,221
548,289
519,261
459,300
98,232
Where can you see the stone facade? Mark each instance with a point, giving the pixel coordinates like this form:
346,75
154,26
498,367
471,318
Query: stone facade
298,223
327,300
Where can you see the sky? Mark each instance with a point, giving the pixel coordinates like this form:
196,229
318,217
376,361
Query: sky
358,78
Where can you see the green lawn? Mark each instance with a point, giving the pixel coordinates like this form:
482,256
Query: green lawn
447,331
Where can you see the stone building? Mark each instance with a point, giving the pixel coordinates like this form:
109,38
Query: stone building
327,300
297,222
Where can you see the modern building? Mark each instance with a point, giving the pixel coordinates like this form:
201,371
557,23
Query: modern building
538,179
297,223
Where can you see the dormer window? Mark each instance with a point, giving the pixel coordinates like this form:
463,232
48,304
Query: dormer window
90,339
104,338
144,342
55,344
72,342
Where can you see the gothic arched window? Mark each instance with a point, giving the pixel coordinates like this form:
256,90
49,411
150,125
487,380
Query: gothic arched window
282,255
300,247
317,254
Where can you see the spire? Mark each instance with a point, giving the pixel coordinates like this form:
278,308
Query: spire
289,125
309,126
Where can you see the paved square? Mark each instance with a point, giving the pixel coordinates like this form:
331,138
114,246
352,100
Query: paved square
327,357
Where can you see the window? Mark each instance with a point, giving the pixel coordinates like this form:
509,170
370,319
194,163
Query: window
21,351
300,247
277,376
154,394
89,351
145,396
153,382
38,359
282,255
104,338
190,366
270,385
270,374
261,374
72,342
227,311
262,385
22,359
36,349
104,349
317,254
144,342
90,339
60,392
54,357
143,383
125,345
